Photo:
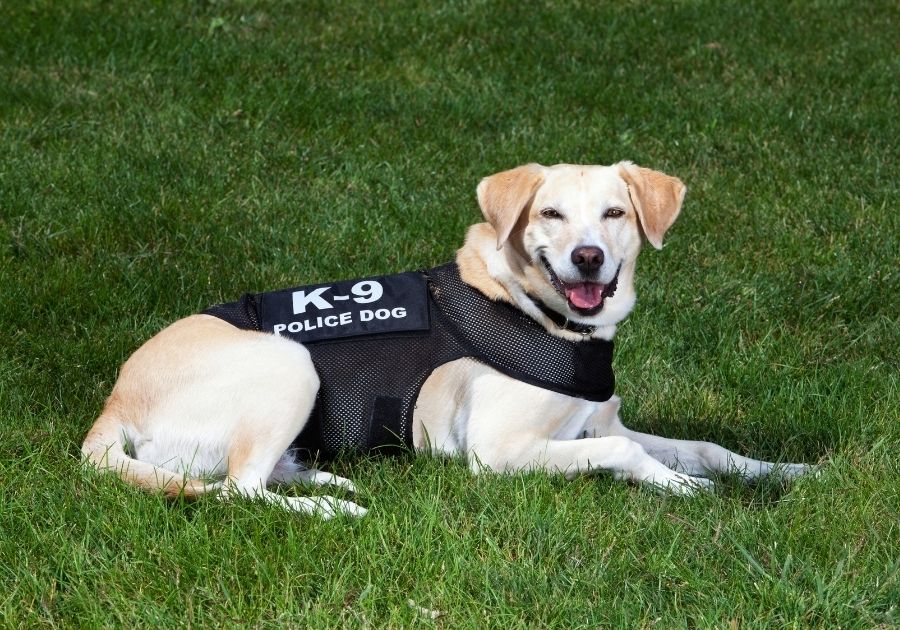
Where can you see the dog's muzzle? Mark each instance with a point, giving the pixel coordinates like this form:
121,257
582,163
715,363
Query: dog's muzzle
585,298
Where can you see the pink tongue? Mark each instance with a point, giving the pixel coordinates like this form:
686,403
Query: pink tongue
585,294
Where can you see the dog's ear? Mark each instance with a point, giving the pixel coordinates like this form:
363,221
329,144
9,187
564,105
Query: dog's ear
656,197
503,197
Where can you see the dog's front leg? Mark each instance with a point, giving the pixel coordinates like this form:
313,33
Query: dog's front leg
513,426
623,457
688,456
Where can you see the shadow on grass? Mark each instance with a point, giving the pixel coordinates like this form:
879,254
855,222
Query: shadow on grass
760,493
778,442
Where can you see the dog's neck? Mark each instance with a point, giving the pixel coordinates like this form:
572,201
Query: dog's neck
477,266
504,275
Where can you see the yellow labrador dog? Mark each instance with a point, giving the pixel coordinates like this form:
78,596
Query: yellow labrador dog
204,398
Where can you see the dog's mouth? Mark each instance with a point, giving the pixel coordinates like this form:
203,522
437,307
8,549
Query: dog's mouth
585,298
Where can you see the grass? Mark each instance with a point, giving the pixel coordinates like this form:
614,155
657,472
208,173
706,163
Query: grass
160,157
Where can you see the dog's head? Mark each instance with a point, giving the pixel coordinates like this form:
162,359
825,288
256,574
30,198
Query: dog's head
572,233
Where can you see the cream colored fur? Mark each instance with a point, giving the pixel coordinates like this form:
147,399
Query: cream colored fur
204,400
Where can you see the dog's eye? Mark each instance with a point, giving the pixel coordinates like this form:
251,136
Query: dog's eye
613,213
551,213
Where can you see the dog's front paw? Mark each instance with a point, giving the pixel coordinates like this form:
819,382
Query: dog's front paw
667,481
685,485
678,484
792,471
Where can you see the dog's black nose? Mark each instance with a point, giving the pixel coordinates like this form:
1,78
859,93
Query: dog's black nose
587,259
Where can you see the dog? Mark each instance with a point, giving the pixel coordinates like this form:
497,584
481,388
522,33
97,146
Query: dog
204,399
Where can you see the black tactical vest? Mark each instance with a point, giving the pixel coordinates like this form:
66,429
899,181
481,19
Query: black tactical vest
374,347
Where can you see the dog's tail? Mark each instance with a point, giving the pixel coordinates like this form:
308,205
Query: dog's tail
104,448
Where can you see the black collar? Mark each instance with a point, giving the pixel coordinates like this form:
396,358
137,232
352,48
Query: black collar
562,321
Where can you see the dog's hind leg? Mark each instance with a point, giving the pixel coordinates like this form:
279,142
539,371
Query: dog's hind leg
324,506
284,386
289,471
322,478
247,477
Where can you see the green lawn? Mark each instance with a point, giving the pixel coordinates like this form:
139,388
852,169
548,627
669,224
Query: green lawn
158,157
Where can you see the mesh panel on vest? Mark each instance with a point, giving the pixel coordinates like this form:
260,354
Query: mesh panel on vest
509,340
369,389
369,384
242,313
